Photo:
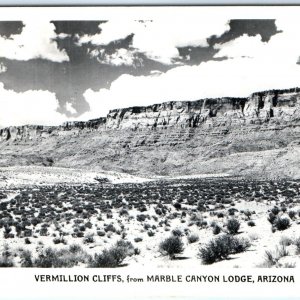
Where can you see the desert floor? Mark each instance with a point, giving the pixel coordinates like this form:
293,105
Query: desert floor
46,207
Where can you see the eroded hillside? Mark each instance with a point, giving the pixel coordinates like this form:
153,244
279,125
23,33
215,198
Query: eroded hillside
254,136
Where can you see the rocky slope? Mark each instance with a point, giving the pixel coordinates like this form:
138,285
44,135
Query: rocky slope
254,136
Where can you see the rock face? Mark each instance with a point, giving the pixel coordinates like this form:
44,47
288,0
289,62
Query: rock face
33,132
239,136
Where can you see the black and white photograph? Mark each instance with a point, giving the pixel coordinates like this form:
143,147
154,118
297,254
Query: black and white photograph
160,141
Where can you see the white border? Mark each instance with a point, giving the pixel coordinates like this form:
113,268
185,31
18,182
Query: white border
151,12
20,283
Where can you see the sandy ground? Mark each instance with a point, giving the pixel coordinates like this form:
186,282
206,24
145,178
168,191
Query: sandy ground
129,228
35,175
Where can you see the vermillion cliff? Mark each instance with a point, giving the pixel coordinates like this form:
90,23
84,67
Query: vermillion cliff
258,136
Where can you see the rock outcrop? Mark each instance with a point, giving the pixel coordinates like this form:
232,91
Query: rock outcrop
239,136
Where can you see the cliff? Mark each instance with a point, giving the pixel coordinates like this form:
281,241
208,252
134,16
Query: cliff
239,136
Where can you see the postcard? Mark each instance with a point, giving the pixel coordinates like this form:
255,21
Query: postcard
150,152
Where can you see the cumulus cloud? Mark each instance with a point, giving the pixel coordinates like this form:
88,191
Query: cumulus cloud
35,41
30,107
244,46
120,57
282,50
237,67
159,39
253,65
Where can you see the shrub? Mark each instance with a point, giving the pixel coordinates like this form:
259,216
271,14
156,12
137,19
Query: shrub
282,251
89,238
177,205
272,257
82,228
123,212
155,218
201,206
74,248
247,213
220,215
221,247
47,259
137,251
110,228
233,226
292,214
282,223
283,209
27,232
201,223
6,260
297,244
285,241
171,246
158,211
231,211
147,226
44,231
138,239
251,223
269,259
27,241
113,257
63,258
59,240
141,217
151,233
142,208
177,232
216,229
109,215
271,218
26,259
88,225
193,238
275,210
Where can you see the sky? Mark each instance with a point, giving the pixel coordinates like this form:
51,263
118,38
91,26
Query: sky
54,71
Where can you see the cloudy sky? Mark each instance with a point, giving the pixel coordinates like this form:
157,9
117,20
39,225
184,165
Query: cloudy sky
53,71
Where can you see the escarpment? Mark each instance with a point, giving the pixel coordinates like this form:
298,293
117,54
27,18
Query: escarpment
254,136
35,132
